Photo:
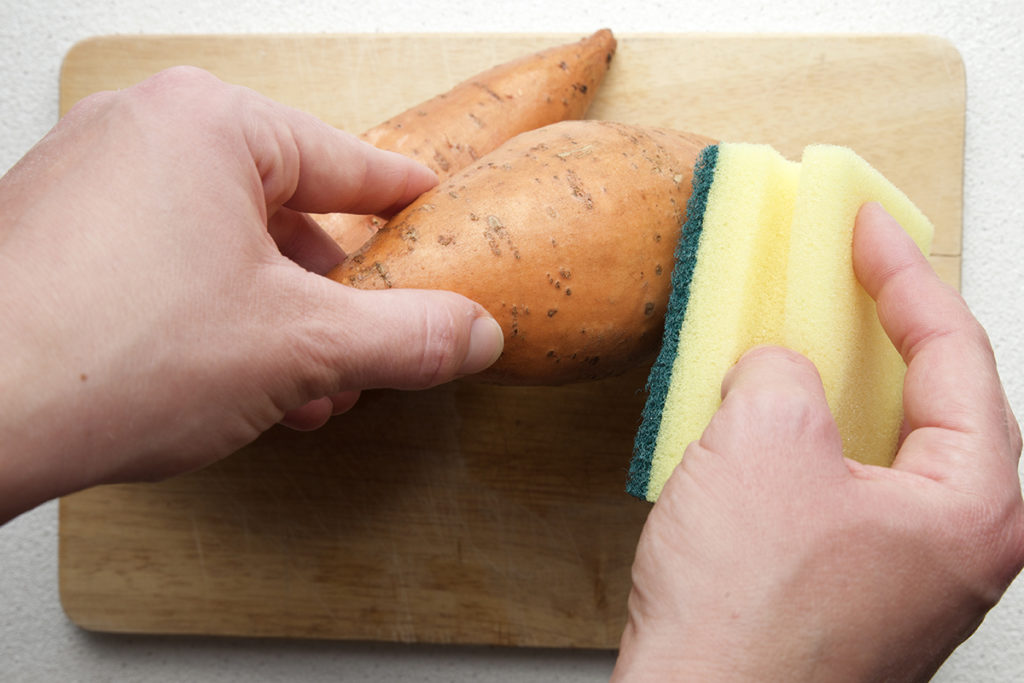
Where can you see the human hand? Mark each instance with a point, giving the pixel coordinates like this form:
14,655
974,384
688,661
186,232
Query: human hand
160,302
769,557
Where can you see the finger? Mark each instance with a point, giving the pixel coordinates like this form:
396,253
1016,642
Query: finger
951,383
344,401
774,409
313,167
308,417
402,339
302,240
315,413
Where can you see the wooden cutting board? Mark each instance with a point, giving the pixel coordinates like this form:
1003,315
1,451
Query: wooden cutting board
469,514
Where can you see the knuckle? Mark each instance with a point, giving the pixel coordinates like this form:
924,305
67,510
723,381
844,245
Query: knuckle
439,356
91,104
995,536
176,79
792,361
789,399
789,404
181,93
777,418
1014,561
975,333
1013,428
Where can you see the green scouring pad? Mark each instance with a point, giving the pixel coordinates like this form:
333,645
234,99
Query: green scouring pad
765,257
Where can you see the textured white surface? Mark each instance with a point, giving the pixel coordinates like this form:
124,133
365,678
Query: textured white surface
36,641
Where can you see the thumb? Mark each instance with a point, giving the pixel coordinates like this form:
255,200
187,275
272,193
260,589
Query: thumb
774,411
403,338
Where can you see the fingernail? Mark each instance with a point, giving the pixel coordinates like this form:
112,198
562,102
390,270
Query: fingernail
486,341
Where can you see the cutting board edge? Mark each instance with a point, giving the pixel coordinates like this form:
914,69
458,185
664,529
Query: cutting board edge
93,42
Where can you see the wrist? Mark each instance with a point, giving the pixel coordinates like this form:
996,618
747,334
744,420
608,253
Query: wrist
669,654
721,645
39,456
23,465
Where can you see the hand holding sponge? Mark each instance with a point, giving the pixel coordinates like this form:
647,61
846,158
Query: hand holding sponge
765,257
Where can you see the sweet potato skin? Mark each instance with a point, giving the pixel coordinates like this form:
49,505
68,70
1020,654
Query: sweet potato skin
565,234
452,130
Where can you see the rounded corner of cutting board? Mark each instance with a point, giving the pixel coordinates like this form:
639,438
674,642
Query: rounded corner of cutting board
74,612
81,53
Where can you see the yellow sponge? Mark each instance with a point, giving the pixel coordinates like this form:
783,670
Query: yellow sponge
766,258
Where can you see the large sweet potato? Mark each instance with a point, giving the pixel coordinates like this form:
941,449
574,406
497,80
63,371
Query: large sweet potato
454,129
566,234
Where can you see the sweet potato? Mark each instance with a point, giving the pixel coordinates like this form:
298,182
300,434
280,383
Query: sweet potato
566,234
454,129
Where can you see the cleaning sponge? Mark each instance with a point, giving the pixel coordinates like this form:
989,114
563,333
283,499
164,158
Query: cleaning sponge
766,258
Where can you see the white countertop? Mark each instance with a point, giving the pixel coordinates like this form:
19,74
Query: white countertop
37,643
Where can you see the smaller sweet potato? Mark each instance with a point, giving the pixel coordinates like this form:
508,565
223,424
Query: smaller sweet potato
566,234
452,130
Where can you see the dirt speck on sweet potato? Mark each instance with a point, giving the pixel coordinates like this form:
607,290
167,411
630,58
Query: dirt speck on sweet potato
382,271
578,191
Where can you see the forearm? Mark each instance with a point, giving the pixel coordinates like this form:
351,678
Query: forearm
43,379
55,411
33,435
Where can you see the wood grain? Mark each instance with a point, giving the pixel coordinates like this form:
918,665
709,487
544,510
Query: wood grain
469,513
